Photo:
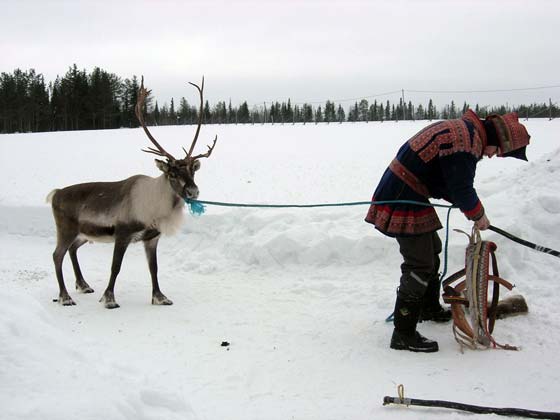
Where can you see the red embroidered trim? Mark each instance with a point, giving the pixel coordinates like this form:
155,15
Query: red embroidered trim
427,143
423,137
461,140
408,178
470,115
407,222
476,213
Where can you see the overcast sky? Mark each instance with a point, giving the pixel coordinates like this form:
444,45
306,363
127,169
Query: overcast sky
306,50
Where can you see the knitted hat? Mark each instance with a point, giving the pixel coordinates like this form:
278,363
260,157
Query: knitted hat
512,135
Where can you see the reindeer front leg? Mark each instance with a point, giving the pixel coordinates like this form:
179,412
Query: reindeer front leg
121,244
150,246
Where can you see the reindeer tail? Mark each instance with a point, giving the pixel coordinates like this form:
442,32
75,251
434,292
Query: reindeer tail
51,195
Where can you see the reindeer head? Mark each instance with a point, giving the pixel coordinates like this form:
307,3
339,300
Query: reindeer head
179,172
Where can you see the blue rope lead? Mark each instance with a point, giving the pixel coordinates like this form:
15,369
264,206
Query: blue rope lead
197,208
299,206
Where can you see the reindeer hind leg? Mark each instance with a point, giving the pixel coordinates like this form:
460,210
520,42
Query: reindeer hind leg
81,284
65,238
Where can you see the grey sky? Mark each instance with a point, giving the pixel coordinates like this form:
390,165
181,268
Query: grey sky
309,50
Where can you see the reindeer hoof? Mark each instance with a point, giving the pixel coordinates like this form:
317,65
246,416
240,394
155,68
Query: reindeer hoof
65,301
109,299
84,287
161,299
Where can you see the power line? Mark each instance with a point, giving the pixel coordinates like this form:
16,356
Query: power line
393,92
376,95
484,90
351,99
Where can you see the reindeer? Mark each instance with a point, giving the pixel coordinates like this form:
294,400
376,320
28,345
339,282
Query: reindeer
139,208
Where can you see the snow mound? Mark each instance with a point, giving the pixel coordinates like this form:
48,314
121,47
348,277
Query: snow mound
59,373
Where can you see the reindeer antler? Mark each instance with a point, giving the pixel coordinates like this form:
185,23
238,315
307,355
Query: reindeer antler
209,152
200,116
160,151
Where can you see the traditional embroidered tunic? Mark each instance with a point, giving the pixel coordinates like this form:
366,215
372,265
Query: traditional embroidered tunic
439,162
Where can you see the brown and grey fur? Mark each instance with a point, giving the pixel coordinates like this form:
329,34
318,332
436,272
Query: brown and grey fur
139,208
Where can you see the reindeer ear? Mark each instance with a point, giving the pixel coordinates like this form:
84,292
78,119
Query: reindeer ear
162,166
196,165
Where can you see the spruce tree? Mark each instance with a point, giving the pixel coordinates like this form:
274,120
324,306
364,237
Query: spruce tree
431,110
230,118
330,112
420,113
156,115
243,116
363,109
172,114
452,111
340,114
387,111
319,115
207,115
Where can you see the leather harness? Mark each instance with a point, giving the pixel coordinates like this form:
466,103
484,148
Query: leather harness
475,331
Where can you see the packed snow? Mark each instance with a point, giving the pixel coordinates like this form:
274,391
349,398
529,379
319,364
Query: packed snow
300,295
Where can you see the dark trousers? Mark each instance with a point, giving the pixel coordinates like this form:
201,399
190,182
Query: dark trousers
420,279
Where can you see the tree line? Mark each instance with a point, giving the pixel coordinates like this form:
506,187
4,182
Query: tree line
102,100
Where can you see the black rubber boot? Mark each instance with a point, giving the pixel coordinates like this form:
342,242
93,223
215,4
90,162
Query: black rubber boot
431,308
405,336
413,342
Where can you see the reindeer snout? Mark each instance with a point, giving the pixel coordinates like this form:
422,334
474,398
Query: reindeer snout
191,192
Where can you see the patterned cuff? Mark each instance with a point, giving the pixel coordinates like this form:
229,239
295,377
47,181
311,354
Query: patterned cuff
476,213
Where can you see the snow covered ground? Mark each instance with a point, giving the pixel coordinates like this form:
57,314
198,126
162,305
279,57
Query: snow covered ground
300,294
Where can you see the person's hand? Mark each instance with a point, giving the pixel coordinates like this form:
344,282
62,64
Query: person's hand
483,223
